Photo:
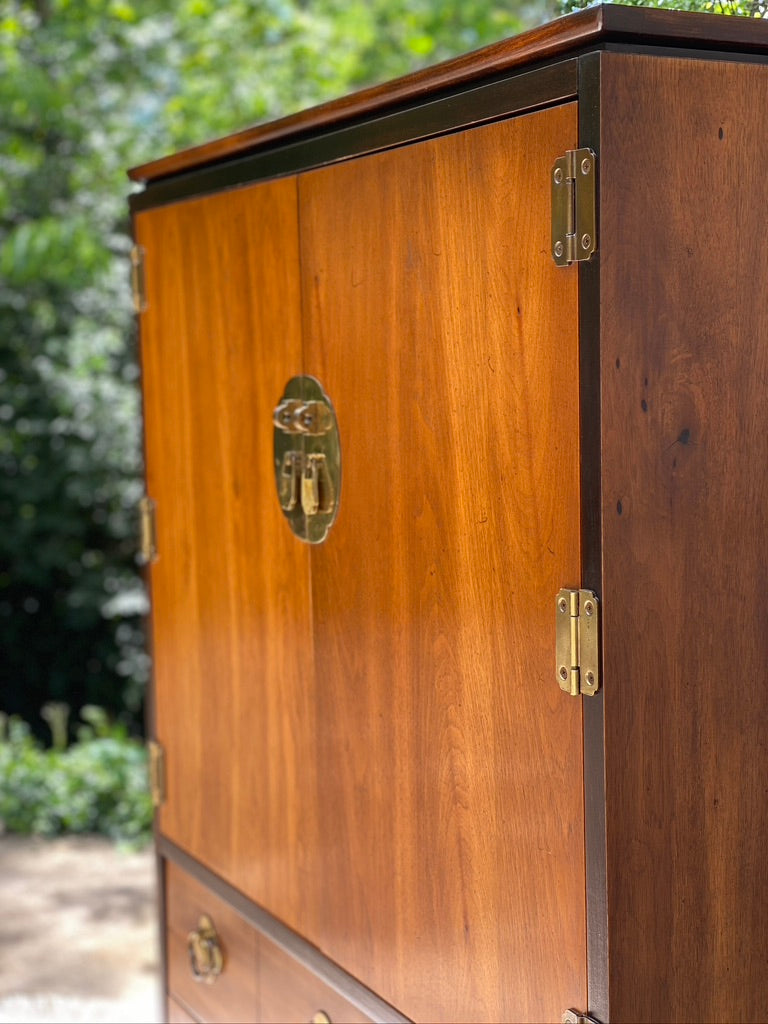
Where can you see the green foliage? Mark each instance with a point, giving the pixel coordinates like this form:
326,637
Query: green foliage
99,784
88,88
741,8
288,55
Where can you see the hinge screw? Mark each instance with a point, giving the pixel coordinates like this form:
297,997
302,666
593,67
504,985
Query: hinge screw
562,604
586,241
586,166
558,176
563,672
588,608
590,678
559,249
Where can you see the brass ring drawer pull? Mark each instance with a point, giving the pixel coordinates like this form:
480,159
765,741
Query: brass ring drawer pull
321,1017
205,955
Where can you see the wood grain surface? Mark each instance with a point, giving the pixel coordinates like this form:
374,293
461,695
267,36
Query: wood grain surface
234,995
556,38
685,384
230,590
451,850
288,992
177,1014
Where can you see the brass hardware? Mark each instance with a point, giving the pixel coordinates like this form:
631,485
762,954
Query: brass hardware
138,279
307,459
156,772
295,416
574,218
321,1017
577,642
288,482
147,535
205,954
574,1017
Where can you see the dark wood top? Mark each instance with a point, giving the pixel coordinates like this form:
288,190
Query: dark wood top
599,24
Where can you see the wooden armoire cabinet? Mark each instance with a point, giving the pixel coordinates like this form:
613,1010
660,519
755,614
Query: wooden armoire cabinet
456,429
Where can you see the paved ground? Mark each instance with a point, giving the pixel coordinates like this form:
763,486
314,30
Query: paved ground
78,940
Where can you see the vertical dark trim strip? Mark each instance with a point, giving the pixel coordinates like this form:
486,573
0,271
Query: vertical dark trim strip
591,565
150,722
150,709
162,931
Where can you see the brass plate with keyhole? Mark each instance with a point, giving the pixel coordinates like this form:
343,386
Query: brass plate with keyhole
307,459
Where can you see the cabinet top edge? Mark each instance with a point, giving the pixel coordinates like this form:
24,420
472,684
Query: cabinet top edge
602,23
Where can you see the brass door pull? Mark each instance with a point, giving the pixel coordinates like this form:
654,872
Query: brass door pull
307,459
205,955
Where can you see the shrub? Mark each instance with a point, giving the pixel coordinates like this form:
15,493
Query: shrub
99,784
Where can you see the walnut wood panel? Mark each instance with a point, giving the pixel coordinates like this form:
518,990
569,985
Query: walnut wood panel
541,43
177,1014
234,995
452,849
685,380
230,588
288,992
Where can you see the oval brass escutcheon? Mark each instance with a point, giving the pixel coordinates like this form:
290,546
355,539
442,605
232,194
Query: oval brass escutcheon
205,955
307,459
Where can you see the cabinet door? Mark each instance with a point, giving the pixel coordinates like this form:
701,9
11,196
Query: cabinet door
450,867
230,588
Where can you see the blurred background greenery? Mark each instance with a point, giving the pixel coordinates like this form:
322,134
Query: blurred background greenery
87,89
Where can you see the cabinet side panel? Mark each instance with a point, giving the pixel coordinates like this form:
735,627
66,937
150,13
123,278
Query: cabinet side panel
685,449
230,588
452,856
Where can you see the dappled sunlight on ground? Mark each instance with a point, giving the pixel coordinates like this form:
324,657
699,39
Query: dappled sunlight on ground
78,935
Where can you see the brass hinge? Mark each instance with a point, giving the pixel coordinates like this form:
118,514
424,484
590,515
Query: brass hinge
156,772
138,285
574,220
577,640
147,531
574,1017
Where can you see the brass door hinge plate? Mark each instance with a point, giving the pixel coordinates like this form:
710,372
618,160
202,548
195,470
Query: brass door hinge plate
156,772
138,283
574,1017
577,641
574,215
147,531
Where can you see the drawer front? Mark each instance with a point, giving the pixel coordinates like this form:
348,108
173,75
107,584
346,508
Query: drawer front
292,994
259,980
177,1014
233,995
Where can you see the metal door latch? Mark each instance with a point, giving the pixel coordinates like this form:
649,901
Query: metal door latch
307,459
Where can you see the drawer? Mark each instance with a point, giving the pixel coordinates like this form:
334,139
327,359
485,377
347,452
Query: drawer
176,1014
259,981
292,994
233,995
